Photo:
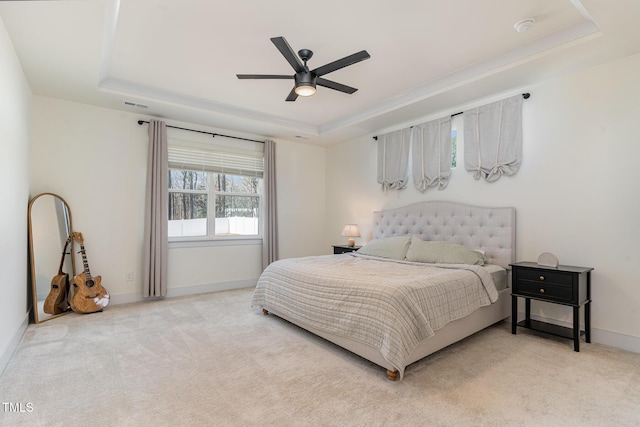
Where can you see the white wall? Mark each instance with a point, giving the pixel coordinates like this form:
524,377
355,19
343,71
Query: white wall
301,199
577,193
15,113
95,158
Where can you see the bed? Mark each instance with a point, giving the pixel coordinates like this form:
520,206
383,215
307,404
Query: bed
392,311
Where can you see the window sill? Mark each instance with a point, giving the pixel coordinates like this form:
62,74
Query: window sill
230,241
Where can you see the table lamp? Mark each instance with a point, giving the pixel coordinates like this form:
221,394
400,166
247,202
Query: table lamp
351,231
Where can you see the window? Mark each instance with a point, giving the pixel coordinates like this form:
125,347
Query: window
214,192
188,200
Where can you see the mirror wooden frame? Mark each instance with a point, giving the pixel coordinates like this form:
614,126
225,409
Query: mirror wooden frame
39,315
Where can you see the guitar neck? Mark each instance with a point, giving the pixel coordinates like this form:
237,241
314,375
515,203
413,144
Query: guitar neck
85,262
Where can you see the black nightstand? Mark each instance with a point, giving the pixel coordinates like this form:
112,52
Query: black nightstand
342,249
564,285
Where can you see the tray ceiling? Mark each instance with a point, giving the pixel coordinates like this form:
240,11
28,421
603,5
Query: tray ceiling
179,60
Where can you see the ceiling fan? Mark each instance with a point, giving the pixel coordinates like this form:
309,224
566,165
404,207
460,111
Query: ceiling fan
305,80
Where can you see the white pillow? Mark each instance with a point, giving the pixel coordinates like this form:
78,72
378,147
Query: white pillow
437,252
387,247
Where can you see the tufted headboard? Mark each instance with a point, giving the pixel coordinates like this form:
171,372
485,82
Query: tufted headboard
492,230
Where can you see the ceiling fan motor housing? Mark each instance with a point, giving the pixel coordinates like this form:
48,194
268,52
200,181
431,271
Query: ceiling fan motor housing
305,78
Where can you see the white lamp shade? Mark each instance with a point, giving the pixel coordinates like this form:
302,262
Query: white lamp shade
351,230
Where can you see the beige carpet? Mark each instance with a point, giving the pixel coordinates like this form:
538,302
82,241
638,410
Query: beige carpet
212,360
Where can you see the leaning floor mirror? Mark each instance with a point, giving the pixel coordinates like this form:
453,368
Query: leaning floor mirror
50,255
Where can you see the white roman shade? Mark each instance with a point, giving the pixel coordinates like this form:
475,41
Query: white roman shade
431,154
493,139
243,158
393,159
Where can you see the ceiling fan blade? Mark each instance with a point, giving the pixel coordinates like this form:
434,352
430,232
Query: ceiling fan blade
292,95
335,86
263,76
341,63
288,53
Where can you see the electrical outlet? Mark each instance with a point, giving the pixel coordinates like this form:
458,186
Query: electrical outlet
129,276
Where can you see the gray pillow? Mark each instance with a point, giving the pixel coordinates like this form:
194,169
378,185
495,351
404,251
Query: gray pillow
387,247
437,252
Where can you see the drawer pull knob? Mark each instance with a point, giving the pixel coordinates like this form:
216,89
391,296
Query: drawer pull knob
541,277
541,291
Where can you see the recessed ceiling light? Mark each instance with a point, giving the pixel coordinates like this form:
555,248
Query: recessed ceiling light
524,25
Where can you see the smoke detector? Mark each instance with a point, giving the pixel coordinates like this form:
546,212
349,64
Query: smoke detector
524,25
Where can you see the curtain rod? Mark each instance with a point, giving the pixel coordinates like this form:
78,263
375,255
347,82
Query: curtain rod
213,135
524,95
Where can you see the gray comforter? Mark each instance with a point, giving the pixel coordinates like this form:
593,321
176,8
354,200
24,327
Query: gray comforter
389,305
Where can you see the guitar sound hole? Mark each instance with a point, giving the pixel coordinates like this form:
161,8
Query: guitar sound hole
89,283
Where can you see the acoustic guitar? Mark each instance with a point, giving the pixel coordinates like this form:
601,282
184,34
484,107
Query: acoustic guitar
58,299
88,294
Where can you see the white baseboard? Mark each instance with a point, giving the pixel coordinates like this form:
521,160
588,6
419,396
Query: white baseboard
211,287
614,339
186,290
7,352
601,336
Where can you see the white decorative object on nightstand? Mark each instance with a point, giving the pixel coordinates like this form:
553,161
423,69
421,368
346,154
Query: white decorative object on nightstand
547,259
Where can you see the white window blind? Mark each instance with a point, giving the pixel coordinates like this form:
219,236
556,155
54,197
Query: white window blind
245,158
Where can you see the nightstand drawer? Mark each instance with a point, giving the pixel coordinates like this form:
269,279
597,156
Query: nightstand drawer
544,290
545,276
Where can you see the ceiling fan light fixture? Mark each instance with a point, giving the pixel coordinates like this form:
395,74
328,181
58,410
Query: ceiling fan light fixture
305,90
305,84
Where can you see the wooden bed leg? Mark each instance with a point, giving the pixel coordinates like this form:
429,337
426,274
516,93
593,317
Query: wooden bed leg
392,375
265,311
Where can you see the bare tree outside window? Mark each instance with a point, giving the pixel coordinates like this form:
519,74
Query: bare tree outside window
187,205
233,199
235,204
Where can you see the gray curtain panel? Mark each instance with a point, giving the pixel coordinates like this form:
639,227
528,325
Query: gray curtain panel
270,231
431,154
493,139
156,213
393,159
